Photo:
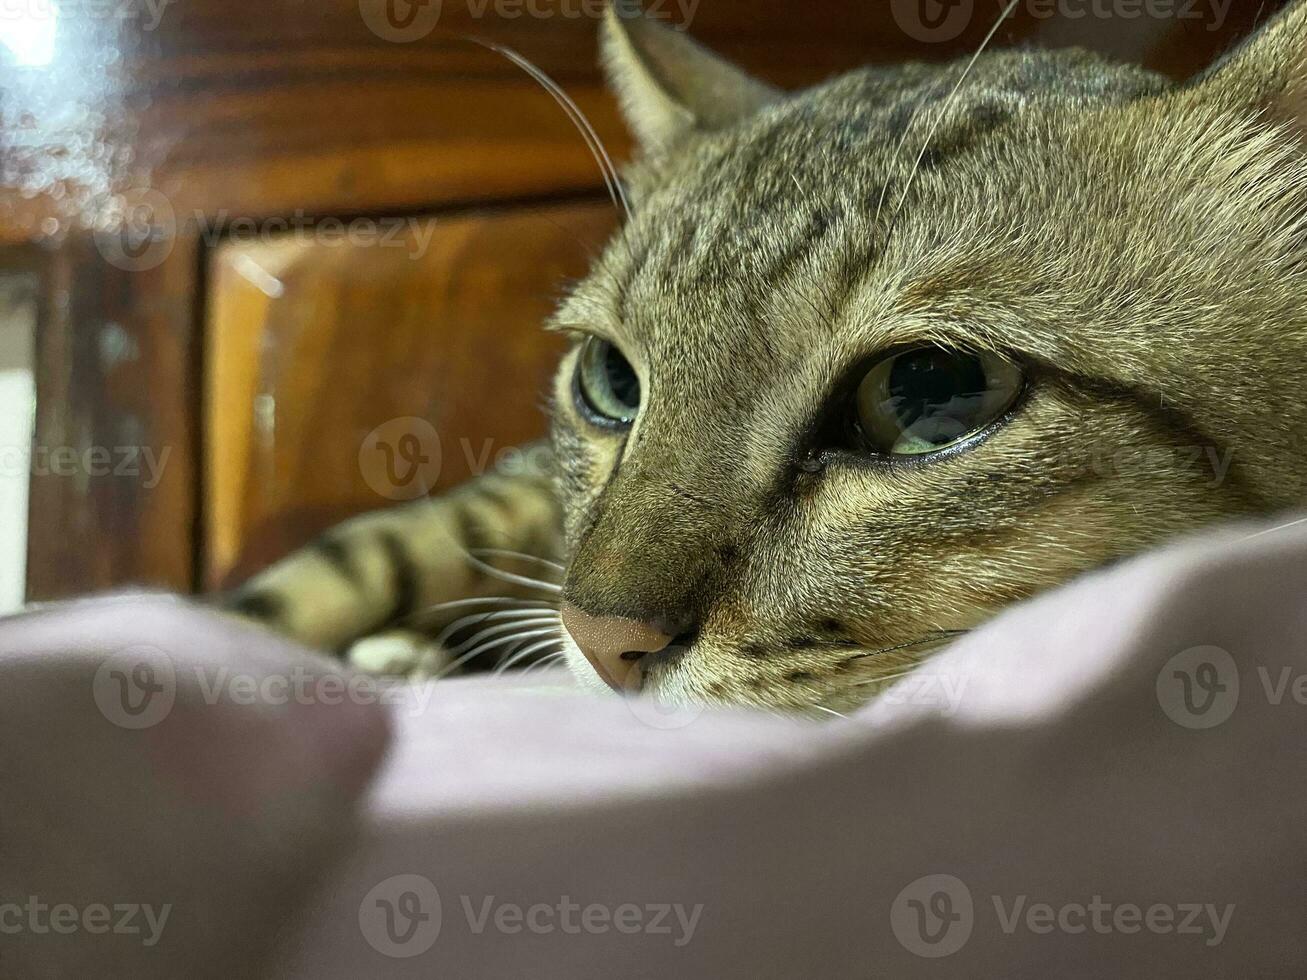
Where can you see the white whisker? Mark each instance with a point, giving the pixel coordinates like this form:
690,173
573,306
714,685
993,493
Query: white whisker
478,650
1273,530
461,603
432,612
611,178
490,617
519,657
829,711
887,678
503,576
549,661
507,628
943,112
898,148
507,553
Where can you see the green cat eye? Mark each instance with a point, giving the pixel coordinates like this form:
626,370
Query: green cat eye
607,387
926,399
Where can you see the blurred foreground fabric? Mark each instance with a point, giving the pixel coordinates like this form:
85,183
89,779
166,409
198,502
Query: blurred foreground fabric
1107,781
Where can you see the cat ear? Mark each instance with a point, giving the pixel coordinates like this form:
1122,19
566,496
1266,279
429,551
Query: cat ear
1269,70
668,84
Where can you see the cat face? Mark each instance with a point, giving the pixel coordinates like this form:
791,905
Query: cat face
871,362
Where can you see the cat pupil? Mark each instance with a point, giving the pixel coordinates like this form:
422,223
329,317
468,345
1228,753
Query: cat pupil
622,380
933,393
607,387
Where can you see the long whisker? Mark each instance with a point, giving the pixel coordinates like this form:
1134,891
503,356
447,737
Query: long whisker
943,112
898,147
508,553
829,711
431,612
887,678
519,657
458,662
597,149
482,648
503,576
930,638
490,617
549,661
493,631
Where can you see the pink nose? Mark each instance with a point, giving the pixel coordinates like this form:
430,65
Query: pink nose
613,644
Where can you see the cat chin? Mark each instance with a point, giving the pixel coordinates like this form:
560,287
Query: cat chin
676,689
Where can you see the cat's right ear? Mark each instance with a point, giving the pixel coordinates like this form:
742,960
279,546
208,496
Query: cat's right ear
1268,72
668,84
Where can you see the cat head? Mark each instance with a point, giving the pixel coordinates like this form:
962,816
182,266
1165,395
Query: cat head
872,361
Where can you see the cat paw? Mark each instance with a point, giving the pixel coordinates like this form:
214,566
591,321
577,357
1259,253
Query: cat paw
399,653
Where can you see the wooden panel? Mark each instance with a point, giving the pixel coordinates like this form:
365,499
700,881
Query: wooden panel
260,108
113,484
313,345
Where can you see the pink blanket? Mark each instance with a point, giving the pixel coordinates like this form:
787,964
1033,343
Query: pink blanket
1104,782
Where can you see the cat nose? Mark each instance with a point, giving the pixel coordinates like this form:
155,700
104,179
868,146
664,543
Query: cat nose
614,644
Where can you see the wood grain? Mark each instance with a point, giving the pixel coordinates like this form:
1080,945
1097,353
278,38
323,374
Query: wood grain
115,388
261,108
313,346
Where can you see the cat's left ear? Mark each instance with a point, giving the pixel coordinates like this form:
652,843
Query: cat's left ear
669,85
1268,72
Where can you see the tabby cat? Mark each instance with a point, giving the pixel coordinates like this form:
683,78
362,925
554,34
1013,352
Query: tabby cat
871,362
